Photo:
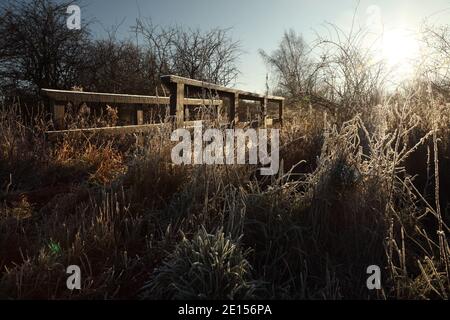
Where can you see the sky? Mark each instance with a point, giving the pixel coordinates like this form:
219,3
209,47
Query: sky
259,24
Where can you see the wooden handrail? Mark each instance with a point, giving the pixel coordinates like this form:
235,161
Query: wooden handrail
85,96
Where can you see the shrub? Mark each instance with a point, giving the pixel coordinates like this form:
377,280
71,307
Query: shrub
210,266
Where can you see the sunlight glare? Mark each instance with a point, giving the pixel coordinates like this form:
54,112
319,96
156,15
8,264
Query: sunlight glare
400,50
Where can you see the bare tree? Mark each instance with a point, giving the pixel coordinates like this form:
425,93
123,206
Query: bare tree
158,42
208,56
120,66
437,66
337,72
349,75
36,48
294,70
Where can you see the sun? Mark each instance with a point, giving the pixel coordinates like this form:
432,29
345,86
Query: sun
400,50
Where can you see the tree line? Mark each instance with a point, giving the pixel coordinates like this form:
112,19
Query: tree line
37,50
337,71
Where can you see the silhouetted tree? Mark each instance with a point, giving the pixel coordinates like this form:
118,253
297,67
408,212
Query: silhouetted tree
38,50
36,47
208,56
341,74
119,66
295,72
437,39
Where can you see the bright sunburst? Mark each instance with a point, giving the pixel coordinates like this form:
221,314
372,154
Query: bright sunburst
400,49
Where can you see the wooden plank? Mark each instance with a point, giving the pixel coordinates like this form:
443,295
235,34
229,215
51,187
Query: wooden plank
66,95
58,115
202,102
52,135
176,103
104,130
280,111
264,111
234,104
82,96
196,83
139,116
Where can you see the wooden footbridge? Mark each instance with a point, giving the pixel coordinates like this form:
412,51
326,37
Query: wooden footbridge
180,89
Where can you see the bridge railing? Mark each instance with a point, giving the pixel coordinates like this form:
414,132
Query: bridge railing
179,85
180,88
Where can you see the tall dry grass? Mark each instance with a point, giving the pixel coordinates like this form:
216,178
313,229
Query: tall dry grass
370,190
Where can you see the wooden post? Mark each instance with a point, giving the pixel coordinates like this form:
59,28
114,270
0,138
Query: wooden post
233,118
177,103
264,110
280,111
219,111
139,116
58,110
